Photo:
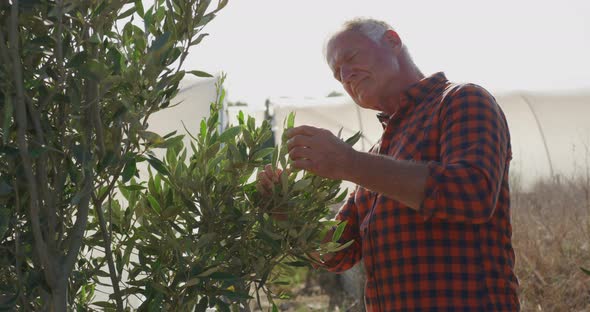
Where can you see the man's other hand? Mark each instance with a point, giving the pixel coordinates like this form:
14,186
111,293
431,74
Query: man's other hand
266,179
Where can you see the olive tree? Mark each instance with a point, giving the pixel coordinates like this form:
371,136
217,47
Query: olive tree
208,236
78,83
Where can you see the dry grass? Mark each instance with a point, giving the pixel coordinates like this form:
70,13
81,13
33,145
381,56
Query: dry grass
551,238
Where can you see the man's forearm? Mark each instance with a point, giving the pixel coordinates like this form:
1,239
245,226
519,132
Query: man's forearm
401,180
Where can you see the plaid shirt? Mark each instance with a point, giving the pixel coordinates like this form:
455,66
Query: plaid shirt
455,254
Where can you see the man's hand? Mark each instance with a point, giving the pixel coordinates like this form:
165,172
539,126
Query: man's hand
266,181
321,152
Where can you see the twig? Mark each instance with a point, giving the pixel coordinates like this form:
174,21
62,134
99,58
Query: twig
535,272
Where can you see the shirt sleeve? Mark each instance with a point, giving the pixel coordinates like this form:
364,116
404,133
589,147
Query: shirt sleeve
347,258
474,152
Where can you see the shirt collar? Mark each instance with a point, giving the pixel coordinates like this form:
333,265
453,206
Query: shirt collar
415,94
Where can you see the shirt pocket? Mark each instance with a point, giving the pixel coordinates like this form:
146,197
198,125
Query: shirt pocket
408,144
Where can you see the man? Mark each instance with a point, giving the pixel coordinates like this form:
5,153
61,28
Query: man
430,217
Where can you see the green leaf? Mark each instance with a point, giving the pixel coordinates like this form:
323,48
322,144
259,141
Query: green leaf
170,142
154,203
297,264
158,165
151,137
170,134
206,19
203,132
338,232
78,59
209,271
132,187
160,42
353,139
224,276
229,134
129,170
272,235
263,153
251,123
236,295
199,73
341,197
585,270
301,185
127,13
94,70
284,181
94,39
341,247
275,157
199,39
291,120
340,132
221,5
248,138
139,7
159,288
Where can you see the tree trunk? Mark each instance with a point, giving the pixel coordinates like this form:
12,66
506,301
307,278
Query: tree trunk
59,296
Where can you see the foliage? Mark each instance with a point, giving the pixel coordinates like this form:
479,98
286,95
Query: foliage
207,234
78,82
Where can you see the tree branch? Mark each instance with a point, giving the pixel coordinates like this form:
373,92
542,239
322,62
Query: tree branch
108,252
21,120
77,234
46,209
4,50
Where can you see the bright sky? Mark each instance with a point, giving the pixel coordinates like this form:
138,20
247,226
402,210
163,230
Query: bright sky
273,48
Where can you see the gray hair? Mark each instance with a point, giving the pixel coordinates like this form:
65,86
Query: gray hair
372,28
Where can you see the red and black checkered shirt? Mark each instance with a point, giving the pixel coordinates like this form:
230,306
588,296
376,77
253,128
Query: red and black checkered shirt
455,253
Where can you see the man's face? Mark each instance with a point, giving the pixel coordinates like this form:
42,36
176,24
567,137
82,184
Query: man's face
366,69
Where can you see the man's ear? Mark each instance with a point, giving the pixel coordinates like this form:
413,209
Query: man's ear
392,40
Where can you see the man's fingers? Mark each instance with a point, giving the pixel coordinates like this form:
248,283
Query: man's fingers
270,173
267,178
262,189
264,181
300,140
300,153
303,164
302,130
